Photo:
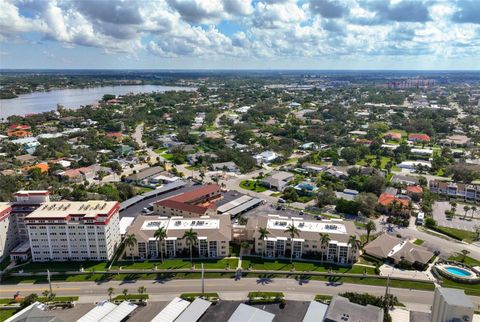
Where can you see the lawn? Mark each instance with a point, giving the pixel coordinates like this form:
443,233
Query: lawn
167,156
418,242
5,314
284,265
131,297
160,151
458,234
468,260
323,298
64,266
250,185
192,296
383,162
177,264
470,289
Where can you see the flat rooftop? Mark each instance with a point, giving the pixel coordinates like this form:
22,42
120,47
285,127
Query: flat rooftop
330,227
181,223
64,209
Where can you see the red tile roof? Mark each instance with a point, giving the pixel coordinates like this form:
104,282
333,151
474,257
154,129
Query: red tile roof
414,189
386,199
19,127
186,201
393,135
419,137
197,193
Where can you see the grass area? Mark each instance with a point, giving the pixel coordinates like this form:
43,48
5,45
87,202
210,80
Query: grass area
192,296
323,298
7,301
305,199
470,289
141,190
5,262
371,160
177,264
160,151
167,156
5,314
284,265
265,294
131,297
468,260
459,234
57,299
250,185
276,194
369,260
64,266
418,242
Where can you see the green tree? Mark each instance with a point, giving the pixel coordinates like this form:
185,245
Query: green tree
191,238
366,203
28,300
125,293
292,231
130,242
464,254
354,244
430,222
160,235
466,209
110,291
370,226
263,233
324,241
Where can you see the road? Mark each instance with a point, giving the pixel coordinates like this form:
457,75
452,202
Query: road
227,288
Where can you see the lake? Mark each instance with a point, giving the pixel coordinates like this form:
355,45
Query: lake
39,102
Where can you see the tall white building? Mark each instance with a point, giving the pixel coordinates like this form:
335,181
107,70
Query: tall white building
61,231
8,229
450,304
26,201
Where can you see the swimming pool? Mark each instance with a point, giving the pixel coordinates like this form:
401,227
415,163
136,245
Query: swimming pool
458,271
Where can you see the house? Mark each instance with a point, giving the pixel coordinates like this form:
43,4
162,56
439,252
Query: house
414,165
195,203
313,168
29,144
418,137
396,249
395,136
457,140
415,192
144,174
82,173
391,204
19,131
408,180
306,188
342,310
347,194
124,150
114,136
277,180
43,167
25,159
265,157
309,146
225,166
422,152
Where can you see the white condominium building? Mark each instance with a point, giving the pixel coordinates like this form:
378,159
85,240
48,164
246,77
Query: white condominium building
213,236
7,230
62,231
279,243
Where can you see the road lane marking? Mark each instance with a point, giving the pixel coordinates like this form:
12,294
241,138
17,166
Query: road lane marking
39,289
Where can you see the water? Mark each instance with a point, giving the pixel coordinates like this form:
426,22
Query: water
457,271
39,102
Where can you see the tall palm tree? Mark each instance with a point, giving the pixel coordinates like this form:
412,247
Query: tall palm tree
110,293
474,210
191,237
263,231
125,293
160,235
324,241
370,226
353,241
130,242
292,231
466,209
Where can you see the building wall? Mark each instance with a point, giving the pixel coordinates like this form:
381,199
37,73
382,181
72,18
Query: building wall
8,235
171,212
74,240
443,312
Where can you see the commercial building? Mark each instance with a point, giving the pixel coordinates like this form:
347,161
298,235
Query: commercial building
213,236
279,243
468,192
341,309
195,203
451,304
61,231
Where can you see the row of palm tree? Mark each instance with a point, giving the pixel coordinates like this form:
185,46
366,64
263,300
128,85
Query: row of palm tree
160,235
324,239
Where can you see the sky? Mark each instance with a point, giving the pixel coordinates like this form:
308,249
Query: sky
240,34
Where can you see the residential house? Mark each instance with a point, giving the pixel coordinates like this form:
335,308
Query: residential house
225,166
395,136
265,157
143,175
114,136
393,204
277,180
457,140
418,137
19,131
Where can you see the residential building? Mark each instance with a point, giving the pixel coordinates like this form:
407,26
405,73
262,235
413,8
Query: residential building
418,137
114,136
277,180
279,243
194,203
64,231
457,140
306,188
265,157
8,230
341,310
143,175
314,168
79,174
225,166
393,204
396,136
395,249
26,201
414,165
213,236
19,131
347,194
468,192
451,304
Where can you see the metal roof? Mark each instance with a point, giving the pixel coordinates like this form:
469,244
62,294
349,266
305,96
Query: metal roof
98,312
316,312
171,311
244,206
194,311
247,313
165,188
234,203
119,313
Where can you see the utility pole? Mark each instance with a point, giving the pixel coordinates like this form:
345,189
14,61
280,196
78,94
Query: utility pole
203,281
49,282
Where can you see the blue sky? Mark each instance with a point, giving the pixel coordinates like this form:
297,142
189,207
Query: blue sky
240,34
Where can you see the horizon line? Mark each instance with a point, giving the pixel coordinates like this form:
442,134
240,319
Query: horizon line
241,69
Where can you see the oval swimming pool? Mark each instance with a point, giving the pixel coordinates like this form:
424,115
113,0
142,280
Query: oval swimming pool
457,271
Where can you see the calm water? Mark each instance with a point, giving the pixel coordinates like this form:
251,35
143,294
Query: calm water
72,98
458,271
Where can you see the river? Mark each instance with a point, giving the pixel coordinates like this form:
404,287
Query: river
39,102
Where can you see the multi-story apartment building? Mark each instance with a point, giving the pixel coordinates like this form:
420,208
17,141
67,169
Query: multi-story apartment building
468,192
279,243
8,236
213,236
61,231
26,201
195,203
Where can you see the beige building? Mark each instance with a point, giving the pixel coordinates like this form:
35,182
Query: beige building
63,231
8,236
279,243
214,235
26,201
450,304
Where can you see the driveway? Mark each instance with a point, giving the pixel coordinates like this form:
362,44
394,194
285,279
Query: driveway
457,221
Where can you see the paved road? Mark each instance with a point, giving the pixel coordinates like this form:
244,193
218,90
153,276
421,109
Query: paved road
227,288
458,221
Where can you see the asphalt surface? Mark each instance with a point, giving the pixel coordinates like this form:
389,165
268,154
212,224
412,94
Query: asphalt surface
458,221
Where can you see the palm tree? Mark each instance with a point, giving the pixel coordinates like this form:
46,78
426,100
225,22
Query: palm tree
370,226
125,292
263,235
353,241
464,254
191,237
141,290
474,210
130,242
324,241
160,235
466,209
110,293
453,204
292,231
45,295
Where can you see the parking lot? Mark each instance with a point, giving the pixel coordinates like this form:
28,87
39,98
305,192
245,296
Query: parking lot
457,221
